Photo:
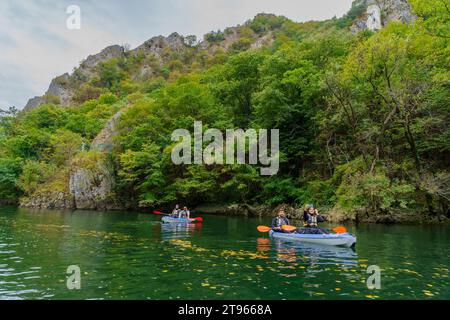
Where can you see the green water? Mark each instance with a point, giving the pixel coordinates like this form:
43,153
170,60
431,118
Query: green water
132,256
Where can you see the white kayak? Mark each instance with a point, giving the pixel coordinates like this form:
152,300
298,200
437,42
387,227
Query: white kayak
331,239
168,219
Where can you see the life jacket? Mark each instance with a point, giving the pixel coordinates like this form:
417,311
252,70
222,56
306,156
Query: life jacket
282,222
184,214
312,221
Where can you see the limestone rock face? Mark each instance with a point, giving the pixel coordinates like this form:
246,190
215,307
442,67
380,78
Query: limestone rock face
61,90
105,139
49,200
380,12
156,45
396,10
34,103
106,54
90,188
373,17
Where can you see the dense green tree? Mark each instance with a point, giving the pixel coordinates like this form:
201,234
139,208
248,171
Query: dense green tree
363,118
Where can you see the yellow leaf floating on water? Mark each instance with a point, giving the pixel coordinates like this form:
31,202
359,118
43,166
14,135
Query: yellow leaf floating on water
369,296
411,271
205,284
428,293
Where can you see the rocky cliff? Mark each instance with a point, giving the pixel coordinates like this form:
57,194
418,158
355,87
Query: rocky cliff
62,89
92,184
378,13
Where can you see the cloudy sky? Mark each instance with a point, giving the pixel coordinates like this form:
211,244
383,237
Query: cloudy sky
36,45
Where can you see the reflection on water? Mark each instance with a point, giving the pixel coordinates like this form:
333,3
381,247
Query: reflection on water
135,256
178,230
315,253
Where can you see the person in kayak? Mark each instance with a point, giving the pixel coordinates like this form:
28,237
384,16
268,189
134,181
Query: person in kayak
185,213
312,218
279,221
176,211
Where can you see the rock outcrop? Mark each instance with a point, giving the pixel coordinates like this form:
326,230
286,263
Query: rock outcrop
157,45
106,54
49,200
89,184
62,89
104,141
379,13
91,187
92,184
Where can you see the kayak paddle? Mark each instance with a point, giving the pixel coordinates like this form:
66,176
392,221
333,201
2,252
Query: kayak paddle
288,228
340,229
267,229
264,229
292,228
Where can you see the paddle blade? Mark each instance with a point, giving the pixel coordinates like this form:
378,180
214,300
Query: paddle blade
340,229
157,212
199,219
288,228
264,229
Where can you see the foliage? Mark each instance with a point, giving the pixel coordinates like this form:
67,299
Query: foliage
34,174
9,173
363,118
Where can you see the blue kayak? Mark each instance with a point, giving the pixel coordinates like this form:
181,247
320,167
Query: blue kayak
331,239
168,219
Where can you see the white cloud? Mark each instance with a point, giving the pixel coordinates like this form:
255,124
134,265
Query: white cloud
36,46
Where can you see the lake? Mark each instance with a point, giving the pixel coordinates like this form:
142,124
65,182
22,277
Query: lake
123,255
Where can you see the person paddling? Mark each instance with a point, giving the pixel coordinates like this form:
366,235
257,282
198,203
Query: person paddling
185,213
176,211
279,221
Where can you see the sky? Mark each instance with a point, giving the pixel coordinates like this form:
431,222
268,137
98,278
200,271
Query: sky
36,45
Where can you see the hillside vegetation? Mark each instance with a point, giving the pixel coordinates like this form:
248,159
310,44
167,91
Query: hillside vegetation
363,117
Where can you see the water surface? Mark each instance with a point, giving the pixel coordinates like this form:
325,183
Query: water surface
125,255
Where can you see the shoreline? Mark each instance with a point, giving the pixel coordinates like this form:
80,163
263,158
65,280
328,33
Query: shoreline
294,213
